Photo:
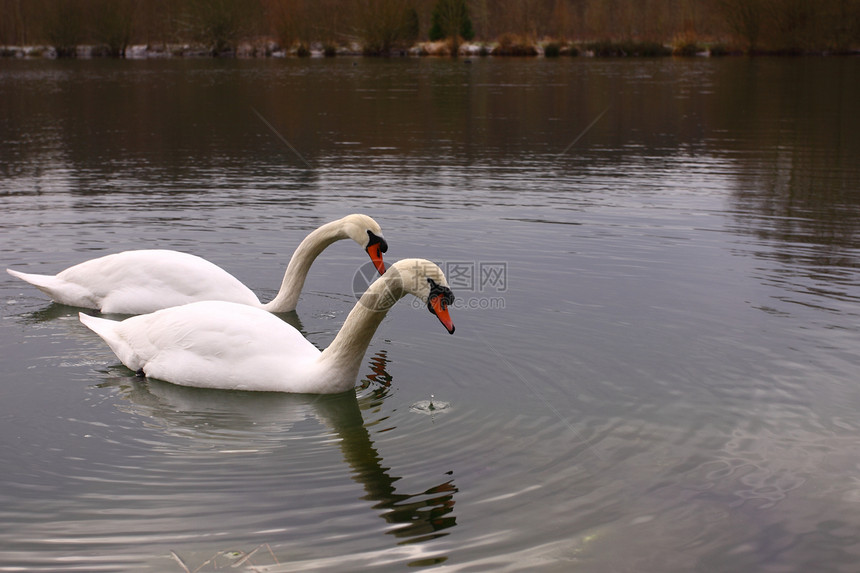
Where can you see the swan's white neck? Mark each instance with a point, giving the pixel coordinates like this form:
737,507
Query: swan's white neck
300,263
343,358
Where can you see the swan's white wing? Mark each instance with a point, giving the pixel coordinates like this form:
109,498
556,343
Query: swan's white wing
211,345
136,282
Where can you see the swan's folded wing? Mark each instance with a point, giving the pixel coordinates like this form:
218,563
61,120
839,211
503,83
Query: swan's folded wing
137,282
213,344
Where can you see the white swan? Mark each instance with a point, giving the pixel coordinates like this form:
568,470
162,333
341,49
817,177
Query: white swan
137,282
231,346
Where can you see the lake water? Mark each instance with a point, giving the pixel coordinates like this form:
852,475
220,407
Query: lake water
656,360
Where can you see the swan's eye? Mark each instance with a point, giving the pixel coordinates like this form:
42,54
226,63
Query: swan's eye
443,293
376,240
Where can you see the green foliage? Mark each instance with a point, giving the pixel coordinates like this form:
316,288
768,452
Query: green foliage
112,25
63,26
552,50
451,19
436,32
467,31
411,26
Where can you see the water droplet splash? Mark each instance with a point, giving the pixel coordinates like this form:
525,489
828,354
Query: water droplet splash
431,406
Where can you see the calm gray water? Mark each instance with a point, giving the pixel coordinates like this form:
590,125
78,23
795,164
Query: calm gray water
656,359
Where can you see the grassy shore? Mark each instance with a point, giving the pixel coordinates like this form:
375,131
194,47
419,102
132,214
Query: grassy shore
549,28
547,49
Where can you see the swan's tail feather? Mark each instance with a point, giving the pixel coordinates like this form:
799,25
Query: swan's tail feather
108,331
58,289
101,326
45,283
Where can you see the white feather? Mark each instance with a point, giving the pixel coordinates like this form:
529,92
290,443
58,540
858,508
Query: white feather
230,346
141,281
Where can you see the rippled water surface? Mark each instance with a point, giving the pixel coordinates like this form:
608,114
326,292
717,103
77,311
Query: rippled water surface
655,366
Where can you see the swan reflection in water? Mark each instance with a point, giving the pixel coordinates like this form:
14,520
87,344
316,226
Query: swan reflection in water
260,420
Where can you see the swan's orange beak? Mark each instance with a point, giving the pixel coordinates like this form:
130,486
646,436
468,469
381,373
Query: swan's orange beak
375,252
439,307
376,245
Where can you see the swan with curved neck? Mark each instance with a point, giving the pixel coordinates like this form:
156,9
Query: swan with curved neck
141,281
230,346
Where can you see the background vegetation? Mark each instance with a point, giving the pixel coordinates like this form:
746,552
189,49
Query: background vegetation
383,26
